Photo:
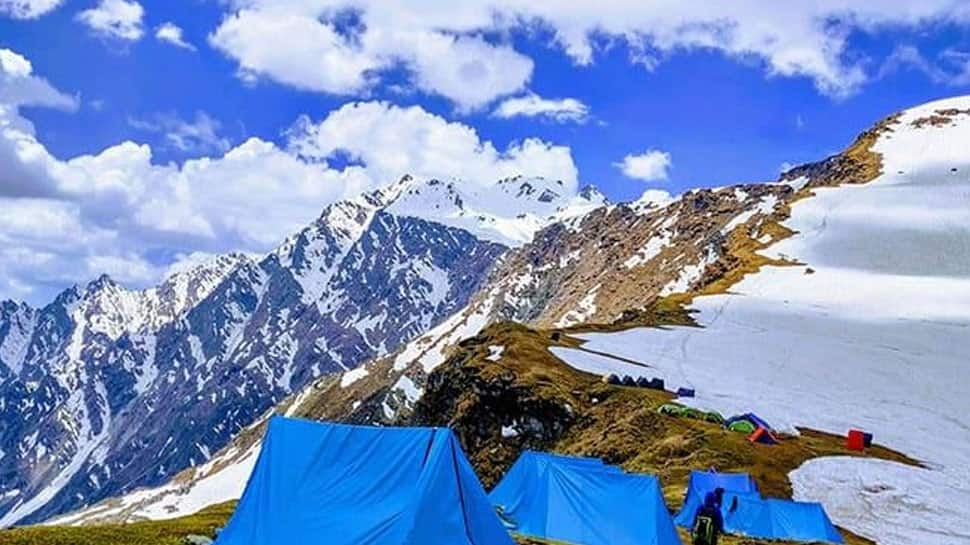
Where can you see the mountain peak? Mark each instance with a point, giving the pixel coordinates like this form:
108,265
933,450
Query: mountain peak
509,211
593,194
101,282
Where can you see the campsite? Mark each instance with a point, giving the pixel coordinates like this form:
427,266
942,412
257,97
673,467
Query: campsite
624,465
488,272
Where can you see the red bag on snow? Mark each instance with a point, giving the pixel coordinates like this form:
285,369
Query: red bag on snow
855,440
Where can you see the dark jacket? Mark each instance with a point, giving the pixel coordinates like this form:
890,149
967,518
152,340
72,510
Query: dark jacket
711,510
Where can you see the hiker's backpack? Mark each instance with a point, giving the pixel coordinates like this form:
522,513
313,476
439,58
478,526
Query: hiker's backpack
703,530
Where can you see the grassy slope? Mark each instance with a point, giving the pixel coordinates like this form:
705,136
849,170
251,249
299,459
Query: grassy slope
169,532
619,424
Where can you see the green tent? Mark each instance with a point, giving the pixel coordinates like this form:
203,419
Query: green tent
714,417
672,409
742,426
696,414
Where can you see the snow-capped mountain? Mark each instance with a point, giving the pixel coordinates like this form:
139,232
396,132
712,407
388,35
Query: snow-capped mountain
484,211
106,389
843,286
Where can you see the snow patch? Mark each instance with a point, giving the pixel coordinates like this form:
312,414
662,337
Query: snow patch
353,376
584,310
406,386
429,349
650,250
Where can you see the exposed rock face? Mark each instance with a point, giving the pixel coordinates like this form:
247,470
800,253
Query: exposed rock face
107,389
594,268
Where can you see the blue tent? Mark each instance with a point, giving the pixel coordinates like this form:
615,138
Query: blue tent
781,519
701,483
750,417
317,483
581,501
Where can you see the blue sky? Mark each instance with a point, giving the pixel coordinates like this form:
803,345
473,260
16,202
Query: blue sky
718,98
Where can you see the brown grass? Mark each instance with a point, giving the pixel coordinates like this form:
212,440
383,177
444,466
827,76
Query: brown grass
167,532
618,424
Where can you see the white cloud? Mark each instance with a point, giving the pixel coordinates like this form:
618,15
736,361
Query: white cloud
312,51
172,33
651,165
951,67
27,9
561,110
466,69
311,45
391,141
23,161
309,54
116,19
19,87
66,221
200,135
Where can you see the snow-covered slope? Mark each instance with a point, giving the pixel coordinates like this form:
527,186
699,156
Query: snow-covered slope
873,331
107,389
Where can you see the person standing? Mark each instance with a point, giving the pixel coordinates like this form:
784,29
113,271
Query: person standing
708,521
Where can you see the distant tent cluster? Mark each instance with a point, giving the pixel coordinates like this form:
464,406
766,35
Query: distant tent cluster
757,430
640,382
683,411
747,513
643,382
338,484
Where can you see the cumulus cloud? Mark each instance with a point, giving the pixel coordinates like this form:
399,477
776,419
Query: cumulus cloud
118,211
27,9
115,19
23,161
651,165
200,135
563,110
391,140
315,49
19,86
172,34
463,53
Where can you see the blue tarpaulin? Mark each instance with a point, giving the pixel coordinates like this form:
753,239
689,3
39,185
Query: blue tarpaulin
781,519
317,483
701,483
583,501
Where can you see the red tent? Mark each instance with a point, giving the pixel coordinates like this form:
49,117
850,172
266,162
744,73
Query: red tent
764,436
